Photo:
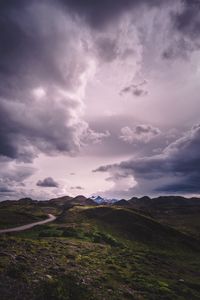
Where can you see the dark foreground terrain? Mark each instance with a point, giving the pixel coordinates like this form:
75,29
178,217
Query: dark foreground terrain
122,251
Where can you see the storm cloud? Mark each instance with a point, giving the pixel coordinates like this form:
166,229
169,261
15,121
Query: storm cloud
64,67
185,23
44,66
45,63
176,169
99,13
47,182
187,20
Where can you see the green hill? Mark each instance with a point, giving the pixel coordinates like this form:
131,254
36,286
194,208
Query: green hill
99,252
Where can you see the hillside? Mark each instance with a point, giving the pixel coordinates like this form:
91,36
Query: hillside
68,201
99,252
178,212
16,213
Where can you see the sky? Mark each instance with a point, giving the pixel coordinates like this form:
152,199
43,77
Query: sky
99,98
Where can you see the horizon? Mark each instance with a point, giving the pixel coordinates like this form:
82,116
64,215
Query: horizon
99,98
107,200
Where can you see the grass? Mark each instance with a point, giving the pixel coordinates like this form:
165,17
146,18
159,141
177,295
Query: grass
13,215
99,253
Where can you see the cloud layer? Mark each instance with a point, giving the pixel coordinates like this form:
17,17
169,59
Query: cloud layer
175,170
72,85
45,64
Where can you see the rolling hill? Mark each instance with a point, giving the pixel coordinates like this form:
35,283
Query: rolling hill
95,252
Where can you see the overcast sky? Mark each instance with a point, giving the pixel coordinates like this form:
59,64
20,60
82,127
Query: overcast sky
99,97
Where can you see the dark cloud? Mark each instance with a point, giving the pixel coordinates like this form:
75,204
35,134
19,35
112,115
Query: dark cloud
137,90
99,13
187,20
6,193
42,62
29,128
77,188
175,170
5,190
187,185
47,182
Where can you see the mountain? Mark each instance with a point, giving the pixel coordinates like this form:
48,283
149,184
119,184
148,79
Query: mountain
82,200
70,201
122,202
100,200
160,203
60,201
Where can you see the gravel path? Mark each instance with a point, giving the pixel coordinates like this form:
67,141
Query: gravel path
51,218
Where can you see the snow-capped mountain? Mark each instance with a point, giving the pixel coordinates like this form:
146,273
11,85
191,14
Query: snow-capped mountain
98,199
101,200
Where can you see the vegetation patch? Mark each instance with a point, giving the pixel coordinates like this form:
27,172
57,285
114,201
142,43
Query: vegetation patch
65,287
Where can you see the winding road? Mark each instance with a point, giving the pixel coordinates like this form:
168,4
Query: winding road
51,218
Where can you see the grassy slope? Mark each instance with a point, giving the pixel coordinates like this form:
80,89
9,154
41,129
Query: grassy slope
99,253
186,222
12,215
182,214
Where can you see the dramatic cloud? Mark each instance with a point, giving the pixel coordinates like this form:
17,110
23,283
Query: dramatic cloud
185,30
48,182
72,93
175,170
45,64
99,13
187,20
46,61
141,133
135,89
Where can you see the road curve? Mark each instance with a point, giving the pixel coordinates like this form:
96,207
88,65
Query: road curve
51,218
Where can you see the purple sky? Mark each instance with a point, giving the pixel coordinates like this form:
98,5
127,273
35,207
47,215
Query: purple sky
99,97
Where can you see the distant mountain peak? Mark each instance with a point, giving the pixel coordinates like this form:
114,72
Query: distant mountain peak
100,200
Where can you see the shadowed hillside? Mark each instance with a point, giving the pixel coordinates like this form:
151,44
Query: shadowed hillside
175,211
96,252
